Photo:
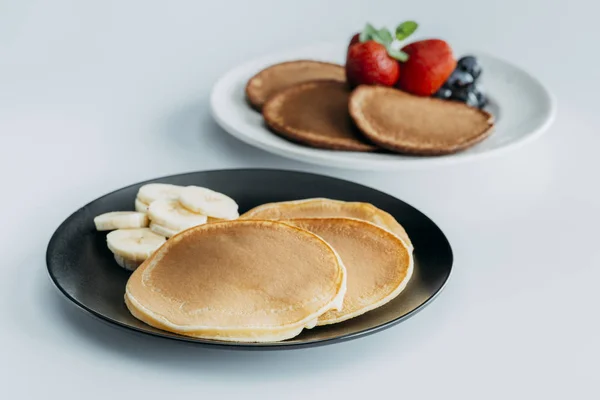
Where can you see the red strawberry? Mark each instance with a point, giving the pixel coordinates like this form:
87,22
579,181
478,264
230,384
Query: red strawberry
368,63
355,39
430,63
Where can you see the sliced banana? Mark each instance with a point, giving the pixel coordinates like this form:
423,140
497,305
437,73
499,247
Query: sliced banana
163,230
155,191
134,244
140,206
208,202
126,263
121,220
169,213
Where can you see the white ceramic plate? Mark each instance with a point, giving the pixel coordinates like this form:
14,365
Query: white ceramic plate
523,108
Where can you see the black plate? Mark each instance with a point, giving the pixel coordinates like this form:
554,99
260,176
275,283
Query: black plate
84,270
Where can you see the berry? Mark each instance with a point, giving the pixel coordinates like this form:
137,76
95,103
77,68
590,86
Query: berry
459,78
444,93
470,65
368,63
482,100
466,95
355,39
430,63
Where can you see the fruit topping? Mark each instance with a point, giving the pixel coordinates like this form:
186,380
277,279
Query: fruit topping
465,95
430,63
423,68
481,99
372,59
368,63
470,65
444,93
462,84
459,79
355,39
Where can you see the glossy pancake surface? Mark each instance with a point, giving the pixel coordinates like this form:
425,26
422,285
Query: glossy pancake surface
238,280
328,208
378,263
401,122
315,114
281,76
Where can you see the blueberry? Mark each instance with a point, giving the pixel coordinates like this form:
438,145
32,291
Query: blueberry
472,100
460,95
459,79
466,95
444,93
471,65
481,97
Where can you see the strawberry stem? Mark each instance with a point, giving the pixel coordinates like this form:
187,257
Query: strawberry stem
384,37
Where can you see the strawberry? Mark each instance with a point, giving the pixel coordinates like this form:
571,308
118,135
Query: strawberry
372,60
430,63
368,63
355,39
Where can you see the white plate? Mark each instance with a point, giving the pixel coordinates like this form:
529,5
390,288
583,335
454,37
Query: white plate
523,108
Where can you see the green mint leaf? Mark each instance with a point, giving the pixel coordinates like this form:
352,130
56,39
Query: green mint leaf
385,36
406,29
397,54
368,33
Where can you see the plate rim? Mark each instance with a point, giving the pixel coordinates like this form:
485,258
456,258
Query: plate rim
50,250
313,156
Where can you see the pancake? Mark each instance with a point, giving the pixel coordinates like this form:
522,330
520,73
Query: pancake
378,264
246,281
280,76
328,208
315,114
404,123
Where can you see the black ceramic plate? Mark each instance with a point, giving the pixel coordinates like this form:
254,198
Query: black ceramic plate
84,269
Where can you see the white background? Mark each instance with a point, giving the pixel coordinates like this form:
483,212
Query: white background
96,95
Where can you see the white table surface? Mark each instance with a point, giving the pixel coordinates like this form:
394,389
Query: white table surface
98,95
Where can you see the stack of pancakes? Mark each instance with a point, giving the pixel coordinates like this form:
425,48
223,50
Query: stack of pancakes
309,102
280,268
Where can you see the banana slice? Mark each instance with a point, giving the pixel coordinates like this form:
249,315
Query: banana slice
208,202
121,220
155,191
140,206
134,244
169,213
163,230
126,263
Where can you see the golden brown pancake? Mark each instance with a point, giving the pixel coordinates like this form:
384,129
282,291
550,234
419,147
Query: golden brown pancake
249,281
315,114
328,208
404,123
281,76
378,263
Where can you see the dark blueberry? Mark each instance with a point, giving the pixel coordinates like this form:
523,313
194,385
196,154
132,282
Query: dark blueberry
466,95
481,97
460,95
471,65
472,100
444,93
459,79
482,101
